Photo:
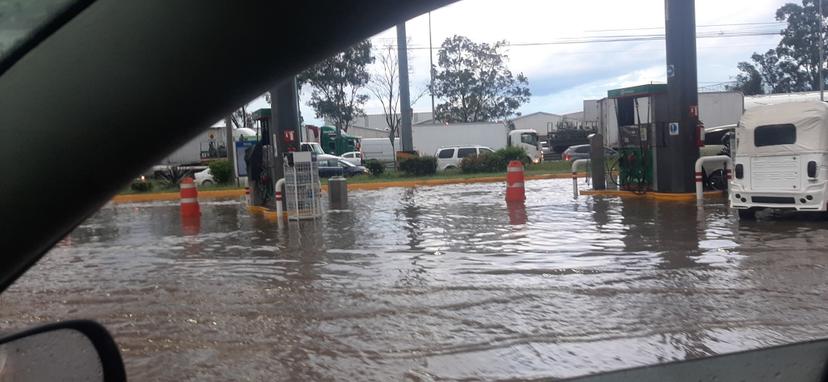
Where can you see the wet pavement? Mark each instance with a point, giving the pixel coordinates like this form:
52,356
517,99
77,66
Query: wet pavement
431,283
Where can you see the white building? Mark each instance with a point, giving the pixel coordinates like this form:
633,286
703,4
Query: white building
541,122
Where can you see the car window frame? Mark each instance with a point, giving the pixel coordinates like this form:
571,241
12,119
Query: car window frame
473,152
451,149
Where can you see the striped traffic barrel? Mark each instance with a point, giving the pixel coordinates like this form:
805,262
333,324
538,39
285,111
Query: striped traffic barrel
189,198
514,182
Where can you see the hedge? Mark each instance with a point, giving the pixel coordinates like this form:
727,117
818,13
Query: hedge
419,166
493,162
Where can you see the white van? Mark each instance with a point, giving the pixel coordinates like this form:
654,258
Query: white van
379,149
450,157
780,158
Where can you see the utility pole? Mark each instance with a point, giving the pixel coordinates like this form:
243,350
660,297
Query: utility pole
431,67
679,151
821,55
284,119
230,144
405,99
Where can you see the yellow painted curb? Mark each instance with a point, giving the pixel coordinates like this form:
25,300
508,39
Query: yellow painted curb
266,212
136,198
688,196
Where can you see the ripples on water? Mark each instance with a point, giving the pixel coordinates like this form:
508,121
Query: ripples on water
442,282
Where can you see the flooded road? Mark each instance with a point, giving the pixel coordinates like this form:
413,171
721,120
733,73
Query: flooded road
431,283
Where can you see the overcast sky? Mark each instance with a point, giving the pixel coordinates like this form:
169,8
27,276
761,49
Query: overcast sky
561,76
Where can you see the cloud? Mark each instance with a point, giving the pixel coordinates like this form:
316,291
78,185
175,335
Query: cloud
562,76
571,100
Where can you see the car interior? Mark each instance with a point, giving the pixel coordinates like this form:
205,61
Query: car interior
111,86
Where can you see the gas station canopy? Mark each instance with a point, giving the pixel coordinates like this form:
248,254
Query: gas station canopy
641,90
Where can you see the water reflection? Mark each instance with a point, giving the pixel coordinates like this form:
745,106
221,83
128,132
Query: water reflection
434,282
517,213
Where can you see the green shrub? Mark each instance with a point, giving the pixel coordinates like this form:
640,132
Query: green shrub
171,177
375,167
475,163
508,154
221,170
494,162
141,185
419,166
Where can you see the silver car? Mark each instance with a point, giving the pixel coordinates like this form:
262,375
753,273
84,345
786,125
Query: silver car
583,152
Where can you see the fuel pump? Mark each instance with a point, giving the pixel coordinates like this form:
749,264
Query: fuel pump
638,113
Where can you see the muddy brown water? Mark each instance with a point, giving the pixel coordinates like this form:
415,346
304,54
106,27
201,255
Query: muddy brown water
430,283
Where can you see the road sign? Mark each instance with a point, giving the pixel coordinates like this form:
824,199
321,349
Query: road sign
674,128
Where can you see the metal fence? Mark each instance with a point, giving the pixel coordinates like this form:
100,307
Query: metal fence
303,192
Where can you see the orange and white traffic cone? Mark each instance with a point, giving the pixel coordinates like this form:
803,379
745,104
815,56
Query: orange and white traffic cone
514,182
189,198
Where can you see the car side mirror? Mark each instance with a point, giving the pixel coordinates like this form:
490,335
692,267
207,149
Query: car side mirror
65,351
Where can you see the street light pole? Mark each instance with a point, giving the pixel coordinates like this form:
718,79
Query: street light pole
821,55
431,66
405,101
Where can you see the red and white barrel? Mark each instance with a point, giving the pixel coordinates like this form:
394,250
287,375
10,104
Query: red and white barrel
189,198
514,182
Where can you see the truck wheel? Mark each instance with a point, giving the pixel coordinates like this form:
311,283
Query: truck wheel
716,181
207,183
748,214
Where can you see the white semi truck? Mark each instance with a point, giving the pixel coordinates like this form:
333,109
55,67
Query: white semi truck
779,157
429,138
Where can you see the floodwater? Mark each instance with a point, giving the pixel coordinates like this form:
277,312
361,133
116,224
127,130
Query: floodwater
431,283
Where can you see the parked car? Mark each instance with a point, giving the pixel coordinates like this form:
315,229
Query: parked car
332,165
583,152
204,178
354,157
450,157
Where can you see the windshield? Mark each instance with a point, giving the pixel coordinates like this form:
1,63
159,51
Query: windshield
19,18
529,139
313,147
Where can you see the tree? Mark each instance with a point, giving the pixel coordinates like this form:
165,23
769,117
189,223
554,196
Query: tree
800,42
794,64
241,118
385,86
749,81
475,83
336,86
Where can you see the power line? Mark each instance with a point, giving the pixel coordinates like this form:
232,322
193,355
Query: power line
697,26
627,38
640,38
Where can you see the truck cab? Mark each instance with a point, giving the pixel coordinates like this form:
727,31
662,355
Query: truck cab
313,147
528,140
780,156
